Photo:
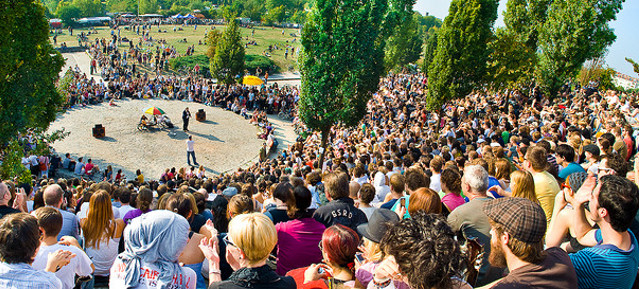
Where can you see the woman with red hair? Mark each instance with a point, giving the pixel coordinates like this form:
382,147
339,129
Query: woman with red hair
339,245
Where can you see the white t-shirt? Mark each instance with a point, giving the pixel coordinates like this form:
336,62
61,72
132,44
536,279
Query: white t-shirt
80,264
149,277
436,182
189,145
125,209
84,211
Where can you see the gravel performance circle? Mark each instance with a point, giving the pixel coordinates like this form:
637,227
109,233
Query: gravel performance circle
224,142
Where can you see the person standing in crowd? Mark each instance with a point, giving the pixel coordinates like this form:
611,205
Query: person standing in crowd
190,151
186,116
613,259
518,226
19,243
341,209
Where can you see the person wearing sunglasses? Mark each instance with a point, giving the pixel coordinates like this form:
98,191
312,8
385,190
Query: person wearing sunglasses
250,240
560,233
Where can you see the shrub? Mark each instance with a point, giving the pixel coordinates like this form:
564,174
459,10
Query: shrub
188,62
251,63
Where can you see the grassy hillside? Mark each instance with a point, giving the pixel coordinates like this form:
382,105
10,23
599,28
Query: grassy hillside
264,36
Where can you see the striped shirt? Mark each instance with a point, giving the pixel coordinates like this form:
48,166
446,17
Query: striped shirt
606,266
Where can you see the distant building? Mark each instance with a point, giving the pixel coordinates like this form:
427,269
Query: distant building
625,81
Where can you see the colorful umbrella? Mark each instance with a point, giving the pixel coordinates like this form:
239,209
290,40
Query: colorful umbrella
154,110
252,80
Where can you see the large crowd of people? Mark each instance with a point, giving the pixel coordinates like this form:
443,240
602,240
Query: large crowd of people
545,186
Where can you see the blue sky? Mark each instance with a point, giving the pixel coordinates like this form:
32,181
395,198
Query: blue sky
626,25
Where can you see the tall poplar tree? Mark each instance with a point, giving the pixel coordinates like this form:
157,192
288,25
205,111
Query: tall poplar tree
228,61
342,59
575,31
459,65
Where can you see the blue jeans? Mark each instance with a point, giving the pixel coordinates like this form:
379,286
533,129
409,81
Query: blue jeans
190,155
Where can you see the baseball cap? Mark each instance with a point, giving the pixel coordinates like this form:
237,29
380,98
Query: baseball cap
521,218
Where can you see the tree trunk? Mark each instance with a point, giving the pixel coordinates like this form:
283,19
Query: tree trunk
323,146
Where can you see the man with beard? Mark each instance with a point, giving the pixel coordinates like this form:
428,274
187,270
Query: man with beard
517,242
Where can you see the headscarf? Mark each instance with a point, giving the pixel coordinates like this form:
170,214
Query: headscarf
157,238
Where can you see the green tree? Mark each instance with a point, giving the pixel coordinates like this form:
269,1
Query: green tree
635,66
430,48
428,22
523,19
299,17
212,39
122,5
254,9
405,45
51,5
29,68
175,9
150,6
228,61
511,62
89,8
275,15
575,31
68,13
342,59
459,65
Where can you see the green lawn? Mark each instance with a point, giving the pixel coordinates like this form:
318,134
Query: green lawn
264,36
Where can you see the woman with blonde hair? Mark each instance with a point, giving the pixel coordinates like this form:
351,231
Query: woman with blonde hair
201,172
522,185
101,233
250,240
372,232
